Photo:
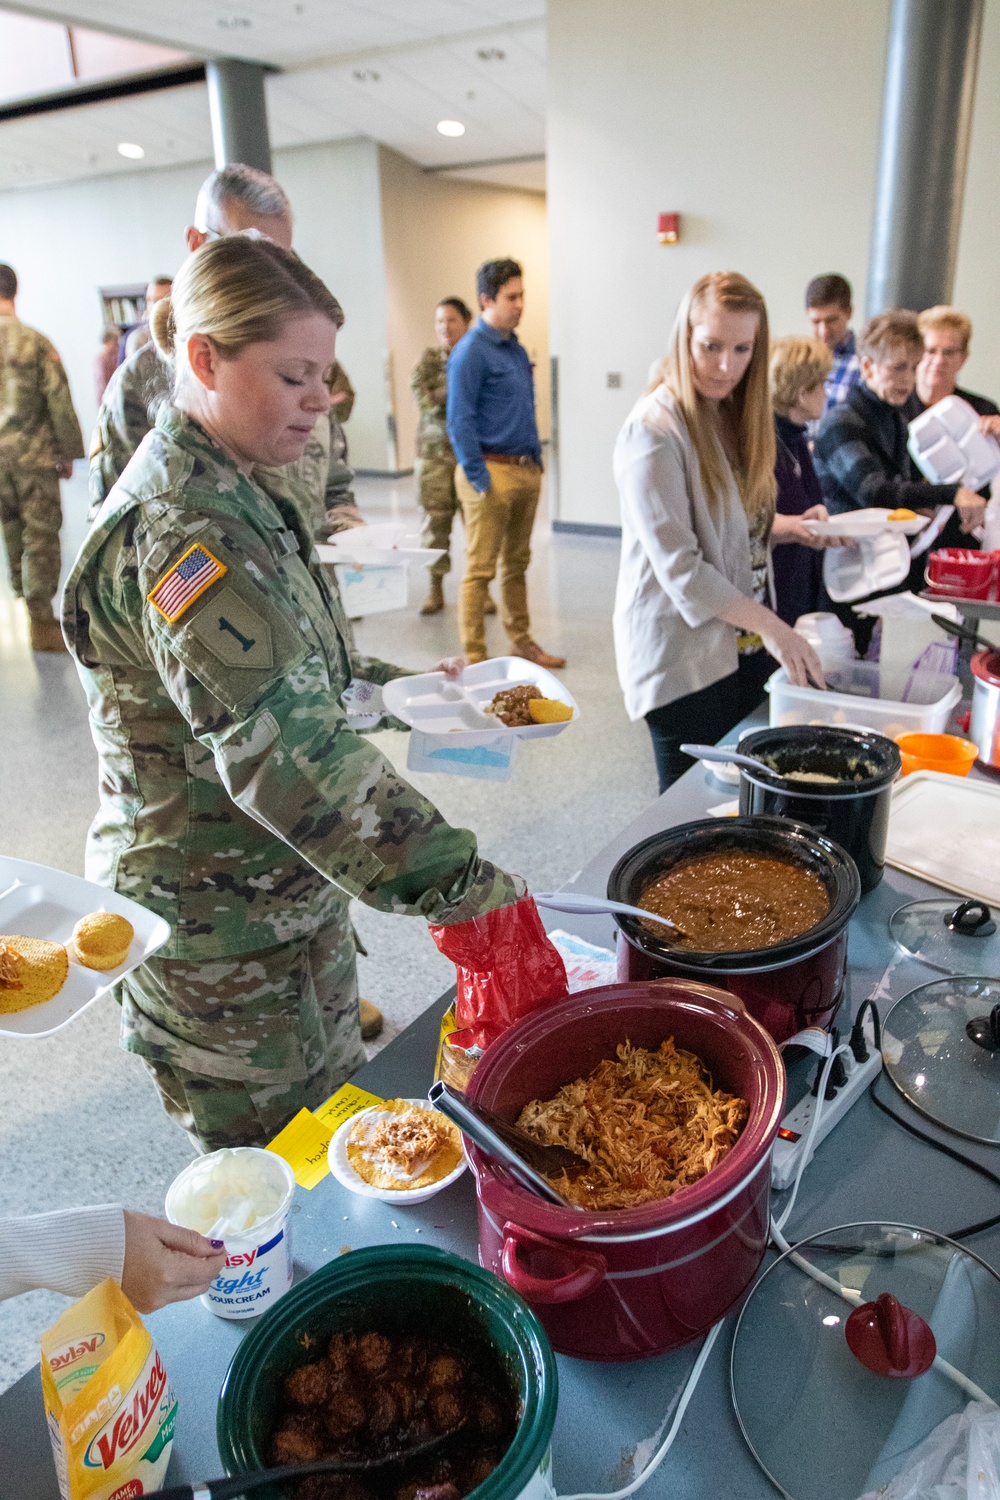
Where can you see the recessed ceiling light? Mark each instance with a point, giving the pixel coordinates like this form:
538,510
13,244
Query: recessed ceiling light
450,127
131,150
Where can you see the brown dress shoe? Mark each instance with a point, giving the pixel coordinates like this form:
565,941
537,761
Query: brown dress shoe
46,635
434,603
372,1020
490,607
531,651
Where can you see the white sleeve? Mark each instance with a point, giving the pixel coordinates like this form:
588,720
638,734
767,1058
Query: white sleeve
69,1252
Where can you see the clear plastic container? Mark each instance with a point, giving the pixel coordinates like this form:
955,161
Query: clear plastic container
889,700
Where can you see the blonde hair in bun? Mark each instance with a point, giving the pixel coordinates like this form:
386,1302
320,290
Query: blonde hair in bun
161,326
237,291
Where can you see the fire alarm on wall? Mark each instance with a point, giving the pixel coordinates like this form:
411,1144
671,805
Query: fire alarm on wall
668,228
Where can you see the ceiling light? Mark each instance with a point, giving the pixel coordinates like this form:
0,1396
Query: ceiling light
132,151
450,127
366,75
490,54
234,23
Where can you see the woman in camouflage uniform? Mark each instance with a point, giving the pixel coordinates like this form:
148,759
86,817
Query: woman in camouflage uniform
435,465
236,800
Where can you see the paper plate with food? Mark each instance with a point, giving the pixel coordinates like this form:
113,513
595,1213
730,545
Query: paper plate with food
504,693
399,1151
64,942
875,521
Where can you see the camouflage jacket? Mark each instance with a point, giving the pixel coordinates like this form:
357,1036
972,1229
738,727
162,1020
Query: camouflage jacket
214,657
429,383
142,385
38,426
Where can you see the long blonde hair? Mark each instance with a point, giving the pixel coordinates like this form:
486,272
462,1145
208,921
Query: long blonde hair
749,403
237,291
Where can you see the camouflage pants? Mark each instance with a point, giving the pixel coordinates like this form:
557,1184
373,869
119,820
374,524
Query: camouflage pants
238,1045
31,515
439,502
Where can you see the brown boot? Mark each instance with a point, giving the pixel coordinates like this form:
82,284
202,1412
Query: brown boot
372,1020
46,635
490,607
434,603
531,651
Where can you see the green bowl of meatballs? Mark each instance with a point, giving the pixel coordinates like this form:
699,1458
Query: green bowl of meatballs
386,1350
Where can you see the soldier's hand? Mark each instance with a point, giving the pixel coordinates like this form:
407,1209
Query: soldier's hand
64,468
451,666
164,1263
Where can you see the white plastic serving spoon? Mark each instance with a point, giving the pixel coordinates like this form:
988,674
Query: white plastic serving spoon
597,906
726,757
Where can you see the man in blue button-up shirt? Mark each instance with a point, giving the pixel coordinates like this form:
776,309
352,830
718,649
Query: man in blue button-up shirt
491,424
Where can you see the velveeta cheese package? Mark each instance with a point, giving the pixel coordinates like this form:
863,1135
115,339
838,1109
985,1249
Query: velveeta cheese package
108,1402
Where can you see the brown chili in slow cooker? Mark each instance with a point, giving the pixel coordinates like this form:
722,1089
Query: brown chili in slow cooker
731,901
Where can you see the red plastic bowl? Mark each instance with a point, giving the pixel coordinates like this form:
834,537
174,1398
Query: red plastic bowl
962,572
637,1282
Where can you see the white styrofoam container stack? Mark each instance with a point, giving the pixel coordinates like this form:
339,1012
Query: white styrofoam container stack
887,699
947,446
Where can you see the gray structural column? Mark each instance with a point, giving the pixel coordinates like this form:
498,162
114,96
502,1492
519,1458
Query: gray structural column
238,110
930,82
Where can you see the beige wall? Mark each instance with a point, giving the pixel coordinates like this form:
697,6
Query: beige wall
760,124
436,234
68,240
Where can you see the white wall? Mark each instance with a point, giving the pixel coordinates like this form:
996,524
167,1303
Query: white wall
68,240
760,124
437,232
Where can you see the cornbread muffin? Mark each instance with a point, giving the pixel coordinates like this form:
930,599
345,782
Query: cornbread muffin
102,939
32,970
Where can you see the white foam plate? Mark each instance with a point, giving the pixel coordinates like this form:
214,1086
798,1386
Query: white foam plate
437,704
946,829
388,542
341,1169
36,901
871,522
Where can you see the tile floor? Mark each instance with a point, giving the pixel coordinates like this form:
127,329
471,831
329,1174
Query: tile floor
79,1120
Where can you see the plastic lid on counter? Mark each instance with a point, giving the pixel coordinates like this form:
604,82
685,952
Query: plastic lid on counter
852,1350
941,1046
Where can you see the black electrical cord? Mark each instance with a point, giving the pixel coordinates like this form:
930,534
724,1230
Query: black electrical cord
966,1161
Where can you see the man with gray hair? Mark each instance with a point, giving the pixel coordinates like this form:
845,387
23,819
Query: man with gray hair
232,200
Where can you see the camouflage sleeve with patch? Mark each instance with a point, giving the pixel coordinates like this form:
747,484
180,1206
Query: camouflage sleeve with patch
243,658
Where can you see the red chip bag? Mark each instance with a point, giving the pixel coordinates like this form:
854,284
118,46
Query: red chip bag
506,969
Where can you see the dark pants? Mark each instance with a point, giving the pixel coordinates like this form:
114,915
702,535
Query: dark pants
704,717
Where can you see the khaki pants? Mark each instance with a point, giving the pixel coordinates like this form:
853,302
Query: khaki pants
497,527
31,515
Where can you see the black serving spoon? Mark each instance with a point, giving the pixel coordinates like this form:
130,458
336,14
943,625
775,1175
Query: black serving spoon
531,1162
235,1485
963,633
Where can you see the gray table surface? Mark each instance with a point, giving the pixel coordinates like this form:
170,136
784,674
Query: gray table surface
867,1168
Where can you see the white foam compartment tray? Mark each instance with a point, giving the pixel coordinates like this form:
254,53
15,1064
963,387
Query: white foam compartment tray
36,901
442,705
871,522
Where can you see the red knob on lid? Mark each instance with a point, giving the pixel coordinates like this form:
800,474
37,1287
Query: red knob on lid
890,1339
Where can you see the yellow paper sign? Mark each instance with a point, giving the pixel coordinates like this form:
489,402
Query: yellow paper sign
303,1144
347,1101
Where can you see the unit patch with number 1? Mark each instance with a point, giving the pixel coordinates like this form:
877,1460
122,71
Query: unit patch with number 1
233,631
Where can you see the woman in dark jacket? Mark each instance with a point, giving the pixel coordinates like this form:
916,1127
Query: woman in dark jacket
798,369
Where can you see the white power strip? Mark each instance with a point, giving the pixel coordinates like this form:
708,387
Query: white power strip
794,1131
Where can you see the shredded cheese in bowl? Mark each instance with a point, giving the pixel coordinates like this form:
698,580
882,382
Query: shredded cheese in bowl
648,1122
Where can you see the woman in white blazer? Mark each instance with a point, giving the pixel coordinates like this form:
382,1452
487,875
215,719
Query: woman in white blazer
695,638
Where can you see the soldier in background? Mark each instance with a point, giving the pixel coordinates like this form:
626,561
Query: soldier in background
156,290
39,439
435,465
238,802
230,201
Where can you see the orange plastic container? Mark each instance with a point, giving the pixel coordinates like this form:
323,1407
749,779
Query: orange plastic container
936,752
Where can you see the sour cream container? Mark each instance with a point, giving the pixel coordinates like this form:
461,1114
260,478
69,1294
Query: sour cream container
242,1196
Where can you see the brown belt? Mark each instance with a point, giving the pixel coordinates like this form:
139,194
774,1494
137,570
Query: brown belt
519,460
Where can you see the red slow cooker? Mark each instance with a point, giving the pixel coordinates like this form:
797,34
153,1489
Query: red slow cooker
639,1281
786,987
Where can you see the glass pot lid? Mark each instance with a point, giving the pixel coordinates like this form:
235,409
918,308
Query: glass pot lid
854,1347
955,936
941,1046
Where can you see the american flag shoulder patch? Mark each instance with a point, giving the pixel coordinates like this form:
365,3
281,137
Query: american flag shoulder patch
185,582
